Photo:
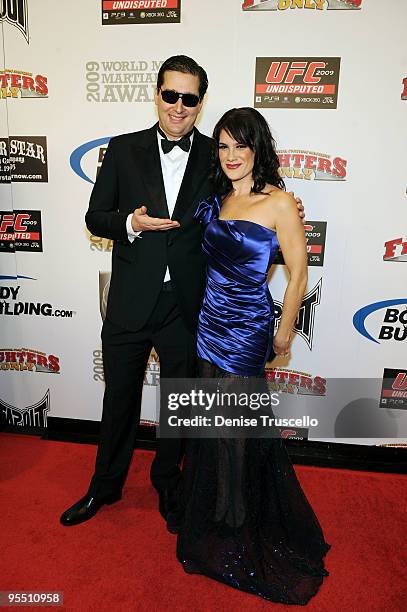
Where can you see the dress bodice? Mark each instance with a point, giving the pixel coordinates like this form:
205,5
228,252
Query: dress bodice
237,317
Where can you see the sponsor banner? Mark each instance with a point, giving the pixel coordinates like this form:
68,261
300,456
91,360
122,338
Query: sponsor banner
95,147
392,321
315,232
318,5
304,325
121,81
295,433
23,159
28,360
311,166
404,91
20,84
296,82
20,230
115,12
11,304
15,12
30,416
395,250
394,389
292,381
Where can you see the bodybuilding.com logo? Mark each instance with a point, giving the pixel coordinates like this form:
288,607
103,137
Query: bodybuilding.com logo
79,153
394,323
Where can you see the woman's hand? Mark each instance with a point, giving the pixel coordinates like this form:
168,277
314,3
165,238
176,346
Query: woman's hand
281,344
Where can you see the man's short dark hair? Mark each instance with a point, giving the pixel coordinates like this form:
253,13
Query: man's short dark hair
185,64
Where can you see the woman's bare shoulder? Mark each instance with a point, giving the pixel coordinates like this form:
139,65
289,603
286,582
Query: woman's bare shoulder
279,198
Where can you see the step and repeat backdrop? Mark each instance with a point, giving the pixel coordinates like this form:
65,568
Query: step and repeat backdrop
330,76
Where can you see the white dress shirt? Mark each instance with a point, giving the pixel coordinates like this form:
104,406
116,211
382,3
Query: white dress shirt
173,166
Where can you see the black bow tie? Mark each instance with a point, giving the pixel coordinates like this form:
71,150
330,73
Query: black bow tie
167,145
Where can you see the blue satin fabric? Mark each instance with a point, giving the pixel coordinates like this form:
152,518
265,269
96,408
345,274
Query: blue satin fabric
236,322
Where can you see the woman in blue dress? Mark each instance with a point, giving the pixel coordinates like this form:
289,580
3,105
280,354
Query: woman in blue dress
245,519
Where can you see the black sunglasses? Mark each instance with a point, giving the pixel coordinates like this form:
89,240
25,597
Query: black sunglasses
171,97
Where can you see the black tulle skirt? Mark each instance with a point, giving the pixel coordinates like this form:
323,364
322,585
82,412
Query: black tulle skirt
245,519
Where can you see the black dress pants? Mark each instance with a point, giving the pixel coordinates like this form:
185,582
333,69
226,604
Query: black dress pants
125,357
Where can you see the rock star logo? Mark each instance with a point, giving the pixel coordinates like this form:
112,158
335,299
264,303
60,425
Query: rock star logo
282,5
16,13
30,416
28,360
394,323
309,165
395,250
291,381
304,326
20,84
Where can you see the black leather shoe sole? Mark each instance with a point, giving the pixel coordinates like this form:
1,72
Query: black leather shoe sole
86,508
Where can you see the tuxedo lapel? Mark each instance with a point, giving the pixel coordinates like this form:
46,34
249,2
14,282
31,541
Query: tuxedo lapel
147,158
196,171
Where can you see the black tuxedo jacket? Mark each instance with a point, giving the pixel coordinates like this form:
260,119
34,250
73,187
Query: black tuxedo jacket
131,176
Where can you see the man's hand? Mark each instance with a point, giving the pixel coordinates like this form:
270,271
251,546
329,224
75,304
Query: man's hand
301,211
142,222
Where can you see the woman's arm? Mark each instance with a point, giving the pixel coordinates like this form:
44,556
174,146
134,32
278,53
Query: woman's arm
291,237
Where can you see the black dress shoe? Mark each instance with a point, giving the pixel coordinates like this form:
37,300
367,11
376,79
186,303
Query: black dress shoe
85,508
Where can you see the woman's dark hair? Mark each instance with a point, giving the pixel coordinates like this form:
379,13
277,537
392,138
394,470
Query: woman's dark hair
247,126
185,64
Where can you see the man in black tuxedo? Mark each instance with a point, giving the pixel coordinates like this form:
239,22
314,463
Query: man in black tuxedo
144,199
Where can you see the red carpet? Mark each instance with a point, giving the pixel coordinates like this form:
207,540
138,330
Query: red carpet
124,559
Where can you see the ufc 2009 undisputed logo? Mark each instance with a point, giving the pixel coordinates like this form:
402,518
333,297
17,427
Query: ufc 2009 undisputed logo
20,230
121,80
296,82
315,233
394,389
318,5
23,159
22,84
304,325
34,415
15,12
121,12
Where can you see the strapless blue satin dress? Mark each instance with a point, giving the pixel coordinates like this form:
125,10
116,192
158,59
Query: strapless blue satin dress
243,517
236,322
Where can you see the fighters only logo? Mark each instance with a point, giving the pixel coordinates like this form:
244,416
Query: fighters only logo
283,5
15,12
310,165
21,84
291,381
395,250
28,360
